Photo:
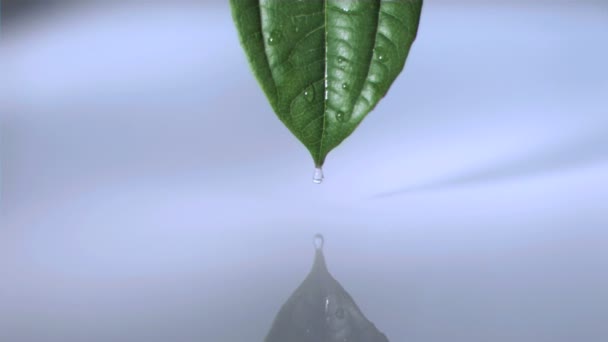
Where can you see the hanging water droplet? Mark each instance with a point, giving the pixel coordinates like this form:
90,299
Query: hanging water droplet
340,313
319,241
275,37
317,177
341,117
381,54
309,94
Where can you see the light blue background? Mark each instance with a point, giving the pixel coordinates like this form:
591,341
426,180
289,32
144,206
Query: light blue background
150,194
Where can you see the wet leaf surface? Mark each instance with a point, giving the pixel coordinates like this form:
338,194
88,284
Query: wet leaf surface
324,65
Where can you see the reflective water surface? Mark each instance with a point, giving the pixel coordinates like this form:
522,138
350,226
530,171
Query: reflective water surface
150,194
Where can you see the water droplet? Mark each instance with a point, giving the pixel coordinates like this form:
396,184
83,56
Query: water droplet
275,37
341,117
340,313
296,29
317,177
341,59
309,94
319,241
345,86
381,54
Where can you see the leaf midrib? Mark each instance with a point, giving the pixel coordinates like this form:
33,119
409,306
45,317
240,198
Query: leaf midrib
318,161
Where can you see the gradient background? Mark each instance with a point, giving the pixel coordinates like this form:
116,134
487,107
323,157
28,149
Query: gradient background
150,194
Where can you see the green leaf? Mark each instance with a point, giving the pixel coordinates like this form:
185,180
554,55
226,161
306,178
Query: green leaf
325,64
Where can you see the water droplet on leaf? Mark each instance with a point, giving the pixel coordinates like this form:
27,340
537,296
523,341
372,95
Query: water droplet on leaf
317,177
344,86
381,54
309,94
341,117
275,37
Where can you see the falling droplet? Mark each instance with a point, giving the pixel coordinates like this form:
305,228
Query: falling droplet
340,313
381,54
319,241
317,177
344,86
275,37
309,94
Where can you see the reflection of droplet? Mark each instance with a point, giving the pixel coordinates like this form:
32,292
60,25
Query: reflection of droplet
317,177
319,241
340,313
381,54
309,94
275,37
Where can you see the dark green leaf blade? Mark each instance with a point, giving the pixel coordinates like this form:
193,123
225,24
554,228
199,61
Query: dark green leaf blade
325,64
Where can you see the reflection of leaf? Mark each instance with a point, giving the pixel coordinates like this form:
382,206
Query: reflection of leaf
320,310
325,64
